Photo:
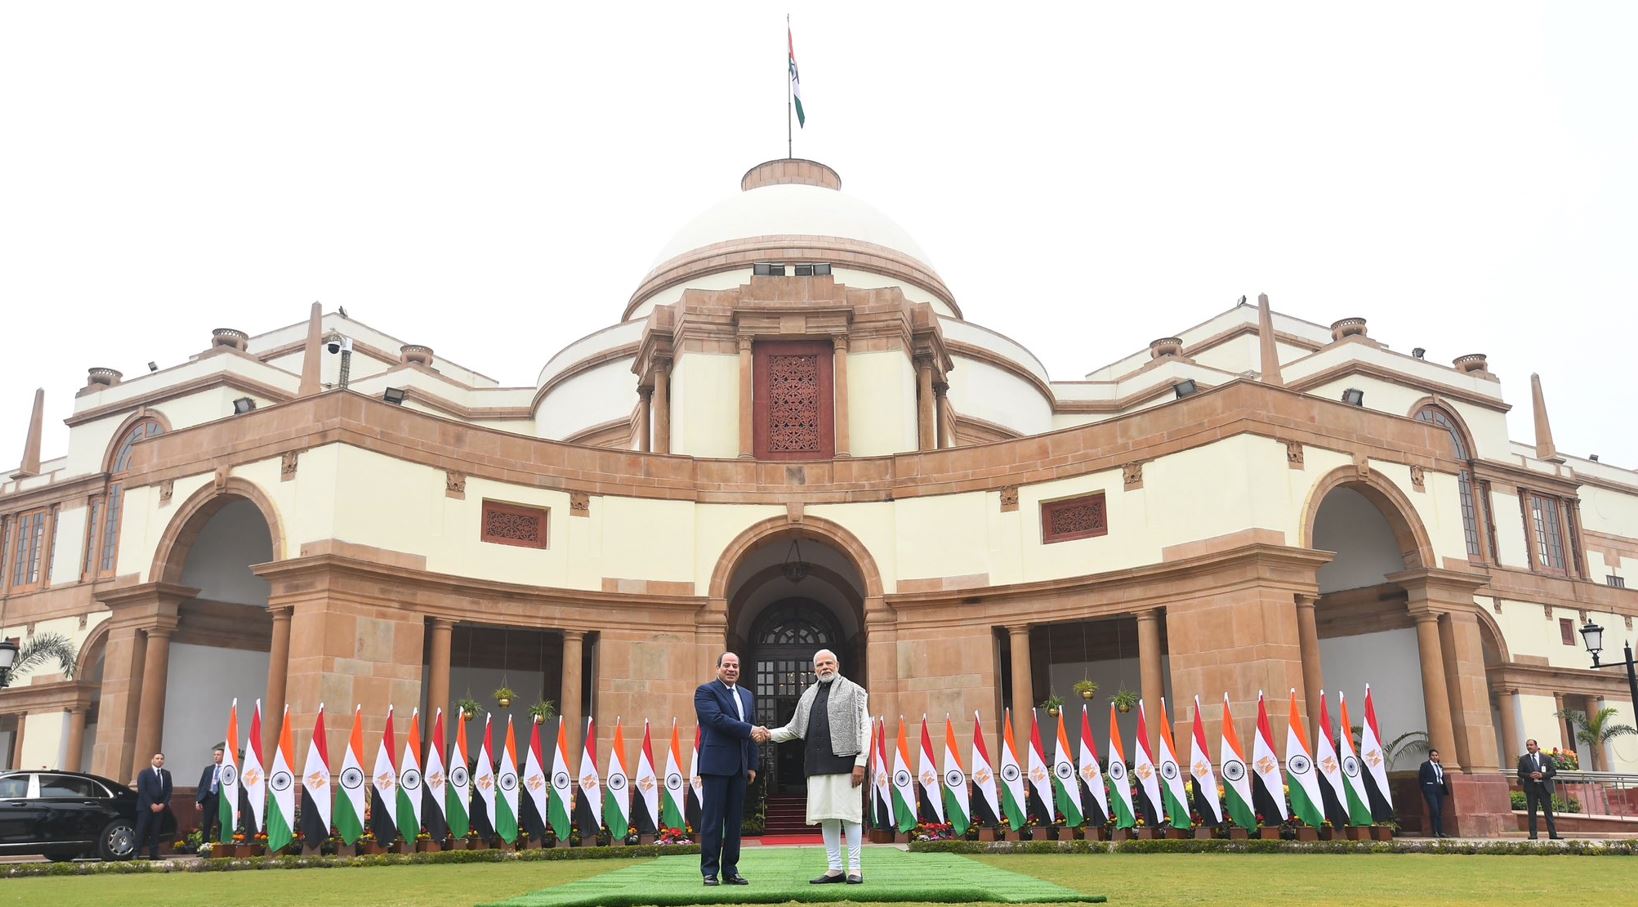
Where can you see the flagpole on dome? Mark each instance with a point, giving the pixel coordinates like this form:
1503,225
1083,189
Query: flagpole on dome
790,79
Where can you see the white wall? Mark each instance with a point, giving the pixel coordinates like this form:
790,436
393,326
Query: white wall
982,391
593,397
1350,525
199,688
219,562
1390,661
68,548
705,405
881,403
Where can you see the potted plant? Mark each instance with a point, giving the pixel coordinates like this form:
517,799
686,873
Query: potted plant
1053,704
1087,687
1124,700
504,697
468,708
543,711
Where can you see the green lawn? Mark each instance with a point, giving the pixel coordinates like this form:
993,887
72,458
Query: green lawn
1149,880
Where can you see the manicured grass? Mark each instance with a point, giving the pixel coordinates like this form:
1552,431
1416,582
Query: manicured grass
1142,880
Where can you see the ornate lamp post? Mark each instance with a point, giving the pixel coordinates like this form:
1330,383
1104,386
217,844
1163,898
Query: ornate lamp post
8,657
1593,636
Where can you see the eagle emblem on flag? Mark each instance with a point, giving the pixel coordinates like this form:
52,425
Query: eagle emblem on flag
317,780
983,776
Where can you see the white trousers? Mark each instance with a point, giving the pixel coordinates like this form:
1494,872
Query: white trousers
832,830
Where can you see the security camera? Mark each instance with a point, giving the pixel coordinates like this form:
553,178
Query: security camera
336,343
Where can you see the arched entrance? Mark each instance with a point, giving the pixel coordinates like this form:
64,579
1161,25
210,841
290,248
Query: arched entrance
779,664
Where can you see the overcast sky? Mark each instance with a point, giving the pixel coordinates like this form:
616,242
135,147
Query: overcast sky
494,179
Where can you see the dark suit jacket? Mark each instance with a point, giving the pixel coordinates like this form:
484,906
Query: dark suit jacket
1429,778
726,747
151,790
1549,768
202,792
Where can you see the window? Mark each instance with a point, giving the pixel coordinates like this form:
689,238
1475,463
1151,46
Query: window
1566,631
764,269
1572,522
13,787
28,554
791,400
67,787
514,524
92,511
1549,540
1489,522
1615,581
1074,518
113,505
5,533
1434,415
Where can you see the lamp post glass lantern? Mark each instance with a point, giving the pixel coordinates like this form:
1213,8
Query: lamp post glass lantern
8,657
1592,635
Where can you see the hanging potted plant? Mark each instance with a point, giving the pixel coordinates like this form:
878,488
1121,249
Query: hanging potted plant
1053,704
1087,687
543,711
1124,700
468,708
504,697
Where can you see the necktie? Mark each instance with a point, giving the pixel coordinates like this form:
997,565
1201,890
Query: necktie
738,706
215,776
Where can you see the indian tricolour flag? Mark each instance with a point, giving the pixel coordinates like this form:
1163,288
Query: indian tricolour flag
1013,796
1119,785
988,803
1236,775
588,804
1172,792
1143,765
647,807
1330,771
383,788
435,783
457,795
506,780
483,781
350,805
617,793
904,784
796,83
409,781
1359,809
1095,794
1376,765
533,804
1299,765
1066,790
315,786
956,807
671,798
927,775
1205,780
281,782
252,778
1267,796
227,799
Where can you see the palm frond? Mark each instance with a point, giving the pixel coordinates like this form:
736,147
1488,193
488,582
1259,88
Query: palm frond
42,648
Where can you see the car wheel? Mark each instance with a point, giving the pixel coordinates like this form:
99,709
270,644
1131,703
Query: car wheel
117,841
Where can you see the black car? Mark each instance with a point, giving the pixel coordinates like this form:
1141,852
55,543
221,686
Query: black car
63,815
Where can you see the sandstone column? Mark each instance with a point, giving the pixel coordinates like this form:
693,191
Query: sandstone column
17,739
1023,685
151,714
1507,702
1313,674
662,406
645,413
574,645
1440,734
438,666
945,434
1600,754
925,421
747,391
1564,738
76,738
278,672
1151,679
839,380
123,657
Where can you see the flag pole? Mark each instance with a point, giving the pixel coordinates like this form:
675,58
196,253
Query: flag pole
788,145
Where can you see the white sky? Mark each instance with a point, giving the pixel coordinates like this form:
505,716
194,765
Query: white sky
494,179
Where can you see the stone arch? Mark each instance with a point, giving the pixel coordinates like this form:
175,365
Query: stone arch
125,427
91,649
171,554
1490,635
1396,509
776,529
1455,417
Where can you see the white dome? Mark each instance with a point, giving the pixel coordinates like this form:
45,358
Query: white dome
791,210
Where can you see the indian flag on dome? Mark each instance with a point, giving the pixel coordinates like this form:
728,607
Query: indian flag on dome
956,808
987,804
1095,794
1171,775
1236,774
1066,789
1375,771
617,793
796,82
1359,808
1299,764
227,799
409,781
1120,786
457,792
904,784
281,784
1267,787
350,805
315,785
672,806
1205,780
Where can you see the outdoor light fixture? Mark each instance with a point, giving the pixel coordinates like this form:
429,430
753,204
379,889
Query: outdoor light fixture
1419,353
1592,635
394,395
794,568
1353,396
8,657
153,366
243,405
1593,457
1184,388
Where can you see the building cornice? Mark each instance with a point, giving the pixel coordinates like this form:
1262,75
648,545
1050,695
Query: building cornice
182,389
1372,370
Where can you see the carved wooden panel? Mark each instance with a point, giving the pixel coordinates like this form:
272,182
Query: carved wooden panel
514,524
792,400
1074,518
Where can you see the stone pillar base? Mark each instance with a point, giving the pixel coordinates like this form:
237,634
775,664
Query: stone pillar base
1480,806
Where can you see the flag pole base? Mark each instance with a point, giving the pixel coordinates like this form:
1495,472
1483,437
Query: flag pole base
562,842
1359,833
431,846
346,850
310,850
645,839
403,846
1204,833
504,846
457,843
1269,833
1146,833
1121,834
1381,833
1178,834
1012,835
1236,833
1306,833
881,836
986,833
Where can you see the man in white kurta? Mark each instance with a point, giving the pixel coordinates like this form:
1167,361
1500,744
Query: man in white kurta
833,721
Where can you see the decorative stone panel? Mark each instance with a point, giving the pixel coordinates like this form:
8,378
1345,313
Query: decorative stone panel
579,504
1009,498
514,524
455,484
1080,517
1132,475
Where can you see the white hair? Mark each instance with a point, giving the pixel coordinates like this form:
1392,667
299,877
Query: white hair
826,652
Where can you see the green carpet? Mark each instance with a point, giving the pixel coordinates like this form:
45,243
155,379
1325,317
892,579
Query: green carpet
781,874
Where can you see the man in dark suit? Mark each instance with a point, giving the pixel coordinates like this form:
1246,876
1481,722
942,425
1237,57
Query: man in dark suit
206,798
1435,788
727,766
153,800
1536,771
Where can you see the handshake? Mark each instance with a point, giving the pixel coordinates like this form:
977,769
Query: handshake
760,734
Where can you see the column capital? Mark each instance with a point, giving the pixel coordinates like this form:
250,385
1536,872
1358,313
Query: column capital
645,390
839,342
440,623
1305,600
162,630
573,635
1018,629
745,341
281,612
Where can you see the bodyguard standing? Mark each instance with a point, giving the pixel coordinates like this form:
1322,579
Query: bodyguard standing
206,798
1536,772
153,800
1435,788
727,766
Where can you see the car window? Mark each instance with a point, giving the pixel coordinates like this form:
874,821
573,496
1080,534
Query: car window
67,786
14,788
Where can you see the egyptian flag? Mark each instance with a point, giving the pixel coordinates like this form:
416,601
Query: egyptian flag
1375,772
646,809
1205,779
1236,775
409,781
315,786
1171,777
1066,788
1359,809
384,789
671,798
1040,777
252,780
1094,796
881,789
617,794
458,793
1267,787
483,782
506,782
956,805
534,784
588,800
350,805
694,799
1143,765
930,793
435,783
1013,797
281,783
227,799
1120,786
987,805
1330,771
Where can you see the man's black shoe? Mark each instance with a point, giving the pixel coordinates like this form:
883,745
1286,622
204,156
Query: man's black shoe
710,881
828,879
735,879
1555,837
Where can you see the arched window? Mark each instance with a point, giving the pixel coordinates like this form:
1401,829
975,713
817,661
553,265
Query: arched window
102,550
1437,415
